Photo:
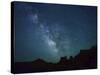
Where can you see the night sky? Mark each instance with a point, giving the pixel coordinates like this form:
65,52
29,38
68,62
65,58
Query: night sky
51,31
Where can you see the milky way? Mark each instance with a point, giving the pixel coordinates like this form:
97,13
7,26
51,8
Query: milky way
50,32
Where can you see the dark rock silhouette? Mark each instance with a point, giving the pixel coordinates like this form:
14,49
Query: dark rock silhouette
86,59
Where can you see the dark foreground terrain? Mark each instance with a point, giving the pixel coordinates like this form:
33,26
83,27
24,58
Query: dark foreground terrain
86,59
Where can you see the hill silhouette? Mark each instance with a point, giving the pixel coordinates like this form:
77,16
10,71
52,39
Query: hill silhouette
86,59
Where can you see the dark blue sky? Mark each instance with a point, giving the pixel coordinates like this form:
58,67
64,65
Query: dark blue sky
49,31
